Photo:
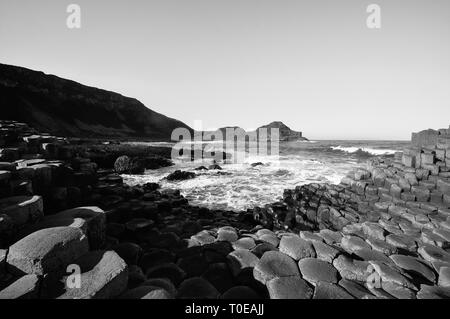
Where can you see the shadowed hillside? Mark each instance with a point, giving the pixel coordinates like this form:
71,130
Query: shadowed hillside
63,107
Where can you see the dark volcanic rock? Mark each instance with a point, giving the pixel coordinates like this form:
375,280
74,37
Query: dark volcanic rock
126,165
180,176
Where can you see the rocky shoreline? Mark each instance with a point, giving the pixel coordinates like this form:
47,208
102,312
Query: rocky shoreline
384,232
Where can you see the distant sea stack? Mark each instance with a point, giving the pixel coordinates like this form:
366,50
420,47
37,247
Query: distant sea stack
63,107
285,133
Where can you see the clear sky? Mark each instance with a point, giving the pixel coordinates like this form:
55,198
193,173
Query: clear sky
312,64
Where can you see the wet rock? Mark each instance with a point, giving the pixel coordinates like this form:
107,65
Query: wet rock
197,288
296,248
47,250
289,288
104,275
180,176
325,290
214,166
274,265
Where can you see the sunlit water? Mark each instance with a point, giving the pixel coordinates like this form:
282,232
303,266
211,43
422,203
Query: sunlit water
241,186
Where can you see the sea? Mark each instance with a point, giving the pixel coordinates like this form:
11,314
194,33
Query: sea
239,186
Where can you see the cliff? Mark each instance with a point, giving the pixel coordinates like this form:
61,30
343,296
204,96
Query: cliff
63,107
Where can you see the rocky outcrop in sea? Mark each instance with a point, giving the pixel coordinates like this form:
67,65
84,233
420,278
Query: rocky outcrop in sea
384,232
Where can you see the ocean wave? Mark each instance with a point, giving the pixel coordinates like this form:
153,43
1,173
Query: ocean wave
372,151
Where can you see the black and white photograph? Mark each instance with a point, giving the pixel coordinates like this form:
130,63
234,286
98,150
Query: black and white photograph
222,153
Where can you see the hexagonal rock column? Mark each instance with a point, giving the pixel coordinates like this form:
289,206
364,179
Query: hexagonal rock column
22,209
47,250
103,275
26,287
95,219
274,264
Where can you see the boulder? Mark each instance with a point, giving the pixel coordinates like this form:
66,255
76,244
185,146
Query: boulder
104,275
127,165
47,250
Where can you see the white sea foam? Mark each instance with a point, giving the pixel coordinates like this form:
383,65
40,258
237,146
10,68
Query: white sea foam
373,151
